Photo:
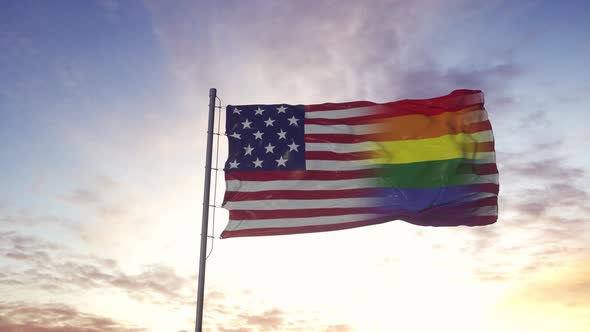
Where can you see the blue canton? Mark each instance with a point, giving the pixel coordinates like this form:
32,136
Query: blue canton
265,137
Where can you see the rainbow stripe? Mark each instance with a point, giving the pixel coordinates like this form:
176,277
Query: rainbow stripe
429,162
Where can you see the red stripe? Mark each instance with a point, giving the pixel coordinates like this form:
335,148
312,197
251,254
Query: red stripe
343,138
236,196
453,102
358,120
295,213
300,229
239,196
477,127
479,169
484,169
483,146
302,175
329,155
449,211
473,221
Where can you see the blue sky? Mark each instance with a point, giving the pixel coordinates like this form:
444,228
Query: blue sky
102,128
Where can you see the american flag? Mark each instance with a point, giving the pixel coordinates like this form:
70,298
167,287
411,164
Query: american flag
298,169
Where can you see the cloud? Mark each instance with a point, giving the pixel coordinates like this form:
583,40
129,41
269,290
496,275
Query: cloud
24,218
546,169
338,328
436,80
269,320
274,320
565,285
313,57
83,197
49,267
55,317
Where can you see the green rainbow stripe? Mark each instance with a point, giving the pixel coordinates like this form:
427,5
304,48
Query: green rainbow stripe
435,174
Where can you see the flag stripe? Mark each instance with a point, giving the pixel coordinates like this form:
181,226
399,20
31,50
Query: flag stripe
320,212
290,204
412,201
359,202
234,229
428,171
380,153
378,135
481,136
440,219
348,143
386,181
404,127
442,194
342,129
374,115
346,165
403,157
302,175
329,155
456,101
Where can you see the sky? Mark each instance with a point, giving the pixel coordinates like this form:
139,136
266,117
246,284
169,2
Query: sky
103,111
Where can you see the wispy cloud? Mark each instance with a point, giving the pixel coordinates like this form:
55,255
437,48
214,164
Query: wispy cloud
50,267
55,317
275,319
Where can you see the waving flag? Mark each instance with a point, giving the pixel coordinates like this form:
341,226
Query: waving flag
311,168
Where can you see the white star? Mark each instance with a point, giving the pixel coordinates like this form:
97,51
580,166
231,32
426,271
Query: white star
269,122
270,148
258,111
236,135
233,164
258,135
281,162
282,134
293,147
247,124
237,111
249,150
281,109
257,163
293,121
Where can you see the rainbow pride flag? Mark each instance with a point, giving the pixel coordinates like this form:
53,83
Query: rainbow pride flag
311,168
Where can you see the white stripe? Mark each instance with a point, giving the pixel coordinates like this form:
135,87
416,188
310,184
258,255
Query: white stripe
296,222
253,186
279,204
359,202
249,186
342,147
234,225
337,165
471,117
487,211
479,115
482,136
475,116
343,113
342,129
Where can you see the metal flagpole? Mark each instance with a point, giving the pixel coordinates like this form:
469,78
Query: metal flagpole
205,221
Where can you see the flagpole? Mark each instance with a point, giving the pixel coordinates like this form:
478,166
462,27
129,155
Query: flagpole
205,220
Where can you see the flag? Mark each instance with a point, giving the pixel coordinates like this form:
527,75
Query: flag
312,168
